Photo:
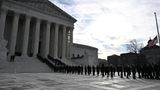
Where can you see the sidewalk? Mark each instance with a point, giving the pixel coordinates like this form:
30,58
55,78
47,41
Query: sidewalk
58,81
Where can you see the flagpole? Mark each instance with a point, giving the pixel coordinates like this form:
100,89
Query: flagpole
157,28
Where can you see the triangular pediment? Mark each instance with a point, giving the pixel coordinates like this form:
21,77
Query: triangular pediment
48,7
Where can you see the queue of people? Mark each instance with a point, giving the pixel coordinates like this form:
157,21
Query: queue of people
147,71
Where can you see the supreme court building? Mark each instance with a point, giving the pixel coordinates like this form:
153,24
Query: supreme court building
35,27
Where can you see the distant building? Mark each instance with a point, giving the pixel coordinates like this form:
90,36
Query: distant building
132,58
127,59
114,59
102,62
152,54
149,54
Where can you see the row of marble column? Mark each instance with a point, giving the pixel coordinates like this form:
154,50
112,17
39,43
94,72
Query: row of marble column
46,44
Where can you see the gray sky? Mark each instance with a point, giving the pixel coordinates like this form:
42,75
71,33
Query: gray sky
110,24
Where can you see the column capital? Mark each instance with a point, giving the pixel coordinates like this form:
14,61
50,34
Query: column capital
16,14
4,10
57,24
38,19
71,28
64,27
28,17
48,22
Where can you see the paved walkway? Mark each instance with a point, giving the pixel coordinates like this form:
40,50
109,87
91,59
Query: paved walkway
57,81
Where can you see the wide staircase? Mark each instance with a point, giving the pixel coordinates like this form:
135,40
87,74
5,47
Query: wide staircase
50,62
32,65
24,65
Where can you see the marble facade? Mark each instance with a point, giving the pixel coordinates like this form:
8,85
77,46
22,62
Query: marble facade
31,27
38,27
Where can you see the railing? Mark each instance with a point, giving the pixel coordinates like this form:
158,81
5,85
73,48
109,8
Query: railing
56,61
51,62
46,61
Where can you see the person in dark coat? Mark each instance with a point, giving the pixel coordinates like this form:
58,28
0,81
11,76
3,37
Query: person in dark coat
97,69
121,70
133,72
93,70
102,70
85,70
128,71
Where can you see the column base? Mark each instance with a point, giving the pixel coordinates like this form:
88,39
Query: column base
56,57
24,56
3,50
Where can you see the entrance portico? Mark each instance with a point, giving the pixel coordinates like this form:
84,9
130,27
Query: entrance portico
30,31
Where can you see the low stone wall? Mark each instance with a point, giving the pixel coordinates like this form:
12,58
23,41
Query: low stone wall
84,55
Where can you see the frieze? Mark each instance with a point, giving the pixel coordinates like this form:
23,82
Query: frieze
47,7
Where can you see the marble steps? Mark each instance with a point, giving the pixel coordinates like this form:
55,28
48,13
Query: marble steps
24,65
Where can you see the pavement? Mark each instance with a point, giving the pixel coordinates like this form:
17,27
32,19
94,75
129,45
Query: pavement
59,81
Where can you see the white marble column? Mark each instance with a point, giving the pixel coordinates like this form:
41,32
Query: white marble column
64,43
47,39
36,37
14,34
26,36
71,36
68,42
71,42
3,42
2,23
56,41
52,36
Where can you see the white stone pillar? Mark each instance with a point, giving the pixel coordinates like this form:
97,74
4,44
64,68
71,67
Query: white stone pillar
71,30
47,39
26,36
14,34
36,37
51,50
64,43
56,41
3,42
2,23
71,42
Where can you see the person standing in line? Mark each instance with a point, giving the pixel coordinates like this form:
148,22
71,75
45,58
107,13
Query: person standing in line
93,70
97,69
133,72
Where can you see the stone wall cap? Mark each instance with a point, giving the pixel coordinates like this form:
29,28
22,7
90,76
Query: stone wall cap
84,46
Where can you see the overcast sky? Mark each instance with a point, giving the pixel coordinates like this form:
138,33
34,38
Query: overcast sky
110,24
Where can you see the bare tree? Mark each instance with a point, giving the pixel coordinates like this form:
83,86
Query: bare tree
134,46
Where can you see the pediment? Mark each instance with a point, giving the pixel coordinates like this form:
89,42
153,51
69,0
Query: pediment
47,7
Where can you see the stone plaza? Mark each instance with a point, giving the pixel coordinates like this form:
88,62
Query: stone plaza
59,81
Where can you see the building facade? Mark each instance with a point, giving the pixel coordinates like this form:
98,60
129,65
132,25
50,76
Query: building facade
103,62
127,59
31,27
113,59
152,54
84,55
